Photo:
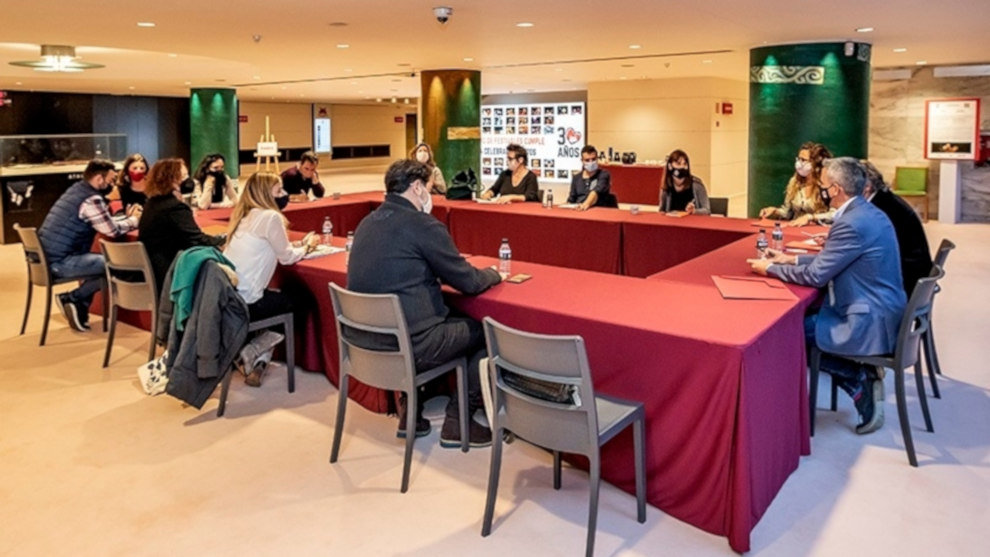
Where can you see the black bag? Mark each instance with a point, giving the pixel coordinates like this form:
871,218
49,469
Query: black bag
463,185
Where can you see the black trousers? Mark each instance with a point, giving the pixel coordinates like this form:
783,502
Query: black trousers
271,303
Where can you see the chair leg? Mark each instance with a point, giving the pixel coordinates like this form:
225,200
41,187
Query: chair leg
833,404
110,335
411,398
290,353
225,387
338,427
919,379
463,415
930,353
106,304
930,362
639,453
493,473
815,358
27,307
556,469
903,416
48,315
594,471
154,333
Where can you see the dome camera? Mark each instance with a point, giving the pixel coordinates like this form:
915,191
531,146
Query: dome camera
443,13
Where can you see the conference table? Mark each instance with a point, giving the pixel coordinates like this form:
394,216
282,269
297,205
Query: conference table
636,183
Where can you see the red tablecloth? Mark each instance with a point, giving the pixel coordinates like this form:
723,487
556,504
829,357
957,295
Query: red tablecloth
638,184
587,240
652,242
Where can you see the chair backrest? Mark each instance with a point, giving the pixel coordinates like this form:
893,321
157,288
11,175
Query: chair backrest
373,338
38,272
542,388
129,274
608,200
719,205
911,179
916,319
943,252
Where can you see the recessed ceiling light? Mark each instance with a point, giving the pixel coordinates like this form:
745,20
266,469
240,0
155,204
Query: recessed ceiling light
635,46
706,61
901,49
145,24
188,83
131,87
172,55
864,29
524,24
921,62
343,45
256,77
469,59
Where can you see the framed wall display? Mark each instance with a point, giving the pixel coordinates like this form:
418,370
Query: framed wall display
321,135
952,128
552,133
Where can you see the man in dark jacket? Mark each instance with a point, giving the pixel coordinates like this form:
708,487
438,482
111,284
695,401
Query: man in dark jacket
401,249
916,259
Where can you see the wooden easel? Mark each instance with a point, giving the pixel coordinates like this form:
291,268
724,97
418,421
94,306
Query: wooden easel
270,159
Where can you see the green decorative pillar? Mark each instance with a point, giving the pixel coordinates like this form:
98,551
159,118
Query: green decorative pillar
213,127
803,92
451,113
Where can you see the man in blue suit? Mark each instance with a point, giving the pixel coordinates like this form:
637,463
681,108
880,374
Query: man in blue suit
860,264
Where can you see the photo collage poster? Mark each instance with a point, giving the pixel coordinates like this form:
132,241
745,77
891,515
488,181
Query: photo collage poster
552,133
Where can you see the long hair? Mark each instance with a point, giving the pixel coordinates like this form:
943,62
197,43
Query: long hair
164,177
817,153
124,178
257,194
204,166
668,178
412,154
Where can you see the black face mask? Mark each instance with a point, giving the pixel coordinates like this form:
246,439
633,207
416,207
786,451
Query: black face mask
187,186
219,176
680,173
282,202
826,197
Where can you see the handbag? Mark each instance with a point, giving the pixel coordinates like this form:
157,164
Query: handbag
463,184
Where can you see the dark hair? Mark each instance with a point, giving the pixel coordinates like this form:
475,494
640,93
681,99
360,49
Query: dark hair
164,177
124,180
98,167
310,157
589,149
674,156
412,154
403,173
519,151
204,166
874,178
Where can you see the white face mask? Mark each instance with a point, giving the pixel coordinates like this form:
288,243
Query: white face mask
422,156
590,167
803,168
426,201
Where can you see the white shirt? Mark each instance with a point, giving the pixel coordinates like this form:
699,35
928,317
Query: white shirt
258,243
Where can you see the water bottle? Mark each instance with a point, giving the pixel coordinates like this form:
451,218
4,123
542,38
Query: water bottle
327,231
350,241
777,238
505,257
761,244
548,199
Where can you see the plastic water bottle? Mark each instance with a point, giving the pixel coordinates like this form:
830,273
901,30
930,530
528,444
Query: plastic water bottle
350,241
548,199
327,231
505,257
777,238
761,244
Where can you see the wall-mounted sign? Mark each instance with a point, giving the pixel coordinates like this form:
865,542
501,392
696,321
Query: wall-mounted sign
952,129
242,118
552,133
321,135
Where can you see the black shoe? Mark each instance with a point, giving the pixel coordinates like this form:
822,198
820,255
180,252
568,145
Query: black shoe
70,311
423,427
871,402
478,435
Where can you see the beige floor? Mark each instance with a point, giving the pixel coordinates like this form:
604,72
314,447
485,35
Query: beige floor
89,465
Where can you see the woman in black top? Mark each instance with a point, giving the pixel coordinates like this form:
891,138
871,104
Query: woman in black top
517,183
131,183
167,225
682,190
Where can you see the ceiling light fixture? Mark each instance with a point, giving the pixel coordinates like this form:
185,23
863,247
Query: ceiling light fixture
635,46
900,49
172,55
920,63
343,45
524,24
145,24
469,59
57,58
864,30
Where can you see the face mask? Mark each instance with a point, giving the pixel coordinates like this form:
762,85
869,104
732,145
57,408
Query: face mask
427,201
680,173
423,157
590,167
136,175
803,168
282,202
219,176
826,198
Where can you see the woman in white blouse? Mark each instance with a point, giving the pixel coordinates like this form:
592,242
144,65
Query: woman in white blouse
256,241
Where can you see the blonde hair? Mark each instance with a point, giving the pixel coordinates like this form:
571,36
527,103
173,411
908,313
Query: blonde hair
257,194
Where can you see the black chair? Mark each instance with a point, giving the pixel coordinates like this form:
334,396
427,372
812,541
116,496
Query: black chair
931,356
907,353
40,274
607,199
719,205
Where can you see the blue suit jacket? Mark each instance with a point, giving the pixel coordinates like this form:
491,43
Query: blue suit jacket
860,263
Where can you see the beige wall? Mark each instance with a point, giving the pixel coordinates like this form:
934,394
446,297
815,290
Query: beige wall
654,117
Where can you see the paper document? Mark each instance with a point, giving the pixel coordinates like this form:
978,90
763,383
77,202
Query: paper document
321,250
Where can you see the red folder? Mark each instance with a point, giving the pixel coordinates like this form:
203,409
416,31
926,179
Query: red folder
752,288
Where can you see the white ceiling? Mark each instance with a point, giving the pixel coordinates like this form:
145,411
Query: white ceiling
572,43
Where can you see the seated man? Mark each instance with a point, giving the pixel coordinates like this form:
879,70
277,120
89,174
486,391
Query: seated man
590,186
69,230
865,302
401,249
916,259
301,179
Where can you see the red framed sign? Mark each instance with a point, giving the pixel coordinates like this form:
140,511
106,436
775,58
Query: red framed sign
952,129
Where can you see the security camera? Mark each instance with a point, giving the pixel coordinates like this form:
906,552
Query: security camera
443,13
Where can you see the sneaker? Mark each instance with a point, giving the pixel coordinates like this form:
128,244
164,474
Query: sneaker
423,428
70,311
872,413
254,378
478,435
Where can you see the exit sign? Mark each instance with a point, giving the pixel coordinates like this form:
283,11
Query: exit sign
399,119
242,118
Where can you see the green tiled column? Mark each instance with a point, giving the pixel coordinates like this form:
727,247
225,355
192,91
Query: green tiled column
803,92
451,113
213,127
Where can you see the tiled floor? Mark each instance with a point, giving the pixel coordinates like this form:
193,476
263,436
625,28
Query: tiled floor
89,465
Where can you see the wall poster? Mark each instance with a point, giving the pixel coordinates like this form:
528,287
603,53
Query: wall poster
552,133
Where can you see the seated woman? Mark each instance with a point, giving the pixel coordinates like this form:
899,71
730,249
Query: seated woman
212,185
802,202
424,154
131,183
681,190
257,241
517,183
167,225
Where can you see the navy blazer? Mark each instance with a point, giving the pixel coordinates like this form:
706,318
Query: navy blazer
860,263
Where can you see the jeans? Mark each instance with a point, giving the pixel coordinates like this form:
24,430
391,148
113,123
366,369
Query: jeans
848,375
87,266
